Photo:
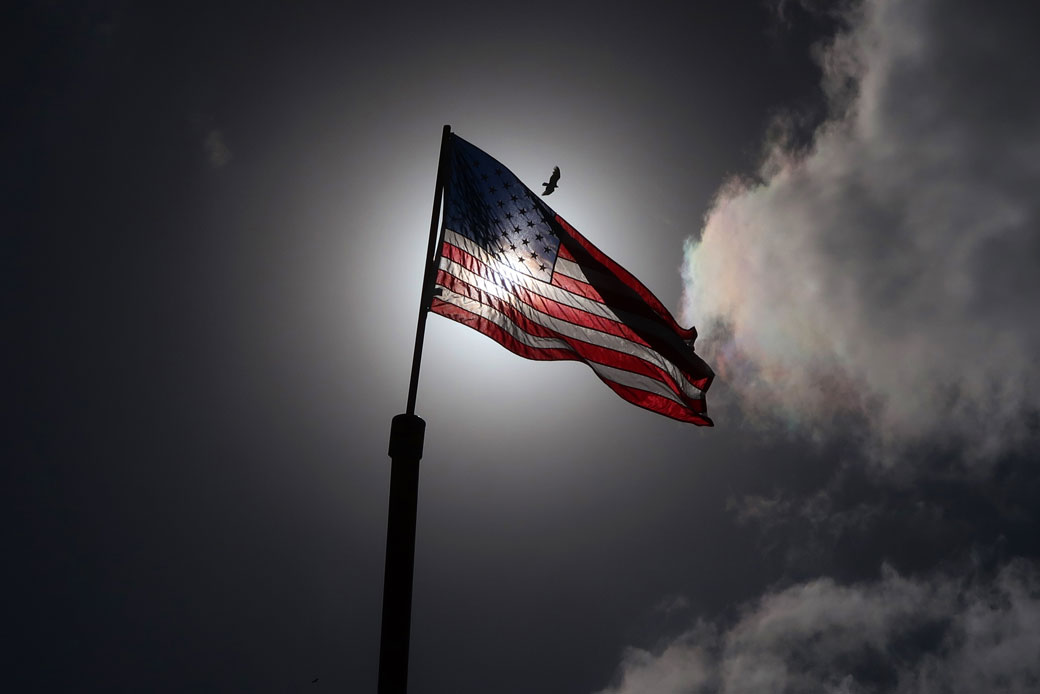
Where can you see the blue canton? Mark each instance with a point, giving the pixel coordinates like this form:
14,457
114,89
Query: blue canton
487,203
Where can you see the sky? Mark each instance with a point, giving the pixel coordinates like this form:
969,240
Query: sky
214,222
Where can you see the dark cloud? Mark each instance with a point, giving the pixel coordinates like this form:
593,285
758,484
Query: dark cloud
871,288
892,634
888,270
847,525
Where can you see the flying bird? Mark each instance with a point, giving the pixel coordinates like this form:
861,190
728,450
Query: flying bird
551,185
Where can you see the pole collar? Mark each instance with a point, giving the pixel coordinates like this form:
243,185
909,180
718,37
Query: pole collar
407,432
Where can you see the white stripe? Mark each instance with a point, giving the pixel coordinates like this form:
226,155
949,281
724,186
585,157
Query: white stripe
506,277
494,284
571,269
609,373
577,332
510,277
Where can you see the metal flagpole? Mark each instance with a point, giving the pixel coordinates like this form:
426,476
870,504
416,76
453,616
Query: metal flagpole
406,444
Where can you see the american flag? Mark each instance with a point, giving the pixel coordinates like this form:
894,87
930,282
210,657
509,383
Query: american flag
513,269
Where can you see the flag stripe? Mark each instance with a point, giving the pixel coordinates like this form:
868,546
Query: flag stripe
589,343
618,303
576,287
497,326
588,256
567,321
463,251
497,279
667,405
513,269
525,321
539,302
570,269
622,289
471,314
607,302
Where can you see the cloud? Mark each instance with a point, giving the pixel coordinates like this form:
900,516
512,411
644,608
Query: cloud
686,665
893,634
887,272
849,521
217,151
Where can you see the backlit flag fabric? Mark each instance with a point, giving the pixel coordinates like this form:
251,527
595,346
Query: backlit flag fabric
513,269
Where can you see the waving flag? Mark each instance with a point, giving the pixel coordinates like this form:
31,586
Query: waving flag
513,269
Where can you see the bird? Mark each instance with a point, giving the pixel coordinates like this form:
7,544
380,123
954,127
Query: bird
551,185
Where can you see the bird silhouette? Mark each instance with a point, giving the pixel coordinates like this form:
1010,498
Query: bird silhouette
553,180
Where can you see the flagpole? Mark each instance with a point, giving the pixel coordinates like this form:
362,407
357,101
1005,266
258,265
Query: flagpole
431,271
406,443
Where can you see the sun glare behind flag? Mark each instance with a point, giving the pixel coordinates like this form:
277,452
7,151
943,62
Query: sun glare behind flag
513,269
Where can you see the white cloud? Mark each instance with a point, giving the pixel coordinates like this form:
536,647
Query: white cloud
889,271
894,634
685,665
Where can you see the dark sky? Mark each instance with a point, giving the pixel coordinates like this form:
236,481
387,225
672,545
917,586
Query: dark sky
214,224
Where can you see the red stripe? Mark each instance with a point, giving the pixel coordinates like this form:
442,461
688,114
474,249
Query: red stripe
574,316
632,304
649,401
627,303
586,350
483,325
621,290
626,277
660,405
459,286
576,287
547,306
